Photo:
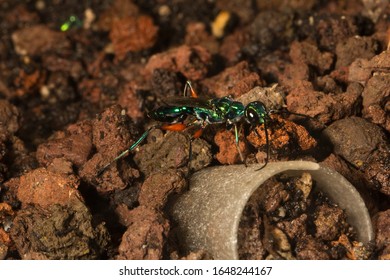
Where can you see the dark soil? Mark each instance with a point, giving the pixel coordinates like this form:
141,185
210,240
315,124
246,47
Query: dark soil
288,219
77,80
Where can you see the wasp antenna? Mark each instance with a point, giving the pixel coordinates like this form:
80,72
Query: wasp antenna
187,87
285,111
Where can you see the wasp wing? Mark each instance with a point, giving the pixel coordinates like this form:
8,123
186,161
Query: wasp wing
188,102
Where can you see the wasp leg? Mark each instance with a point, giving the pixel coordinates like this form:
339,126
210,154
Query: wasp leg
174,127
196,135
187,87
181,127
266,143
125,152
237,144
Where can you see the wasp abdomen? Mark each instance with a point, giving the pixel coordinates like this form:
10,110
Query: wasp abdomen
170,113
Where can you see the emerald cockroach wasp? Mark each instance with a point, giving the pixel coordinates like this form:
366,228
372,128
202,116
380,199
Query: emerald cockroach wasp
180,113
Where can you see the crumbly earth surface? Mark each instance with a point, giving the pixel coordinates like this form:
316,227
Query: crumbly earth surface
288,219
77,80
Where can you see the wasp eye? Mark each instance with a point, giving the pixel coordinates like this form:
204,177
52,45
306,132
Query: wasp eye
252,116
255,113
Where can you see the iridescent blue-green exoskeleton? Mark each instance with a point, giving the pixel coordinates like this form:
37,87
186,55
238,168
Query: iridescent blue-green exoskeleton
182,112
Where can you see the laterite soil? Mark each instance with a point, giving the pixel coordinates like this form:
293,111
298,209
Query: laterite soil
77,79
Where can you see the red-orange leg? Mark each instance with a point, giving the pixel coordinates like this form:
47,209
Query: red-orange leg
174,127
197,133
189,86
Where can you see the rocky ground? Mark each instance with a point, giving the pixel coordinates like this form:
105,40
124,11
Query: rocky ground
77,80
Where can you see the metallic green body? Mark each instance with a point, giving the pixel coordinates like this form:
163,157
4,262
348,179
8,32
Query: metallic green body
213,111
200,112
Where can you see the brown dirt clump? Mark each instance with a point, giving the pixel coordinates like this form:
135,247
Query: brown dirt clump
58,232
145,236
132,34
78,82
288,219
382,224
44,188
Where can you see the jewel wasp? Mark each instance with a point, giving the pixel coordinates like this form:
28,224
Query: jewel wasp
180,113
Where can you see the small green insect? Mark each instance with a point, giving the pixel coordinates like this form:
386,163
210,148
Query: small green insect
180,113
